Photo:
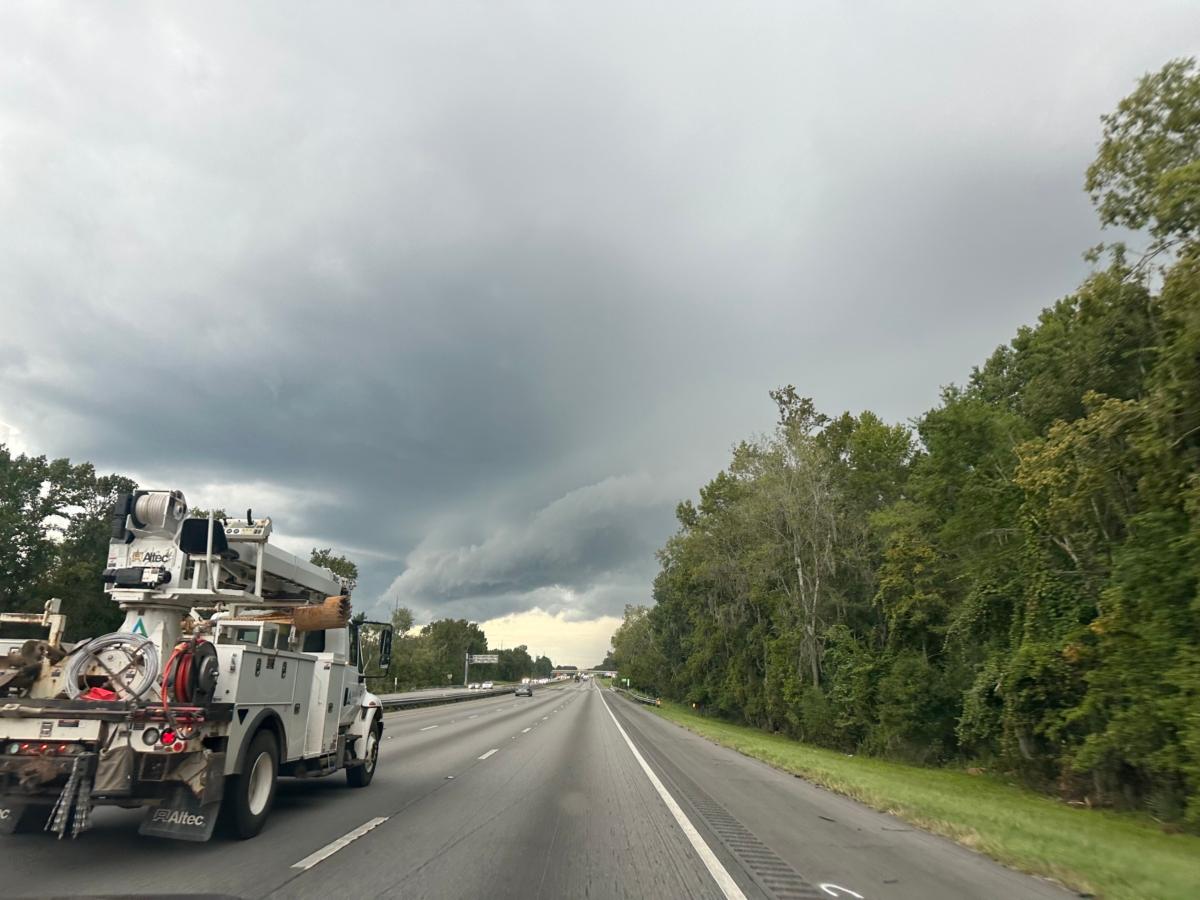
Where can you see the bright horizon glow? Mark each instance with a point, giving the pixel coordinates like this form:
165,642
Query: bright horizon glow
581,643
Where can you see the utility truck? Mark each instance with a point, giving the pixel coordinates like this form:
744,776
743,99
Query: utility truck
237,663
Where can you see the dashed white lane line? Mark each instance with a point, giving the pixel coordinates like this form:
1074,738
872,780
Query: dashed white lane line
476,716
720,875
526,730
544,718
428,727
490,752
333,847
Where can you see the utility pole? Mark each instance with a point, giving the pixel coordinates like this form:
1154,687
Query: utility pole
466,667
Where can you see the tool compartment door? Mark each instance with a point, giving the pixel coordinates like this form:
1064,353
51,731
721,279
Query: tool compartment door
265,678
325,712
296,718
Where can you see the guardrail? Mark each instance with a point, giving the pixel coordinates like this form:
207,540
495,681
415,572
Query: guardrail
395,703
640,698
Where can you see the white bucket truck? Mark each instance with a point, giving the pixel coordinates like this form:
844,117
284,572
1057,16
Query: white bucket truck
237,663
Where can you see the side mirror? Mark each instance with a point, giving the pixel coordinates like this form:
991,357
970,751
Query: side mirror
355,654
385,648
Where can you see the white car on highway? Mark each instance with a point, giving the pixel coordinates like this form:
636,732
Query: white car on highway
487,685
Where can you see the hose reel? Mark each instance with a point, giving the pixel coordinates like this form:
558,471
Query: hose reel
191,673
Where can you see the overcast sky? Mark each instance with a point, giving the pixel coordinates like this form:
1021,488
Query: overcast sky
476,292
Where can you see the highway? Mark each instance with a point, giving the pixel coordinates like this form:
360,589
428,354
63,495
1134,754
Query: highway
574,792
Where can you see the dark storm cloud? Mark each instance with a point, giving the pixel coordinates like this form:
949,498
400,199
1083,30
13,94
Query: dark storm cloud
476,294
571,551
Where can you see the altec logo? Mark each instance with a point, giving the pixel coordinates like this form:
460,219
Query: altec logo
150,557
178,817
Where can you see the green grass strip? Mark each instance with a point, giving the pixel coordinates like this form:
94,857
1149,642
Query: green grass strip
1109,854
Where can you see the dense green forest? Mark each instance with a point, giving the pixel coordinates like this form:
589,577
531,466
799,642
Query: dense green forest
54,532
1010,581
434,655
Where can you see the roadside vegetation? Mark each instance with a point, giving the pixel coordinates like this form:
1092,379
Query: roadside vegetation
1011,580
1114,855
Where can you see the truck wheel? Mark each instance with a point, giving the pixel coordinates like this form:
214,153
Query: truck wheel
248,796
360,776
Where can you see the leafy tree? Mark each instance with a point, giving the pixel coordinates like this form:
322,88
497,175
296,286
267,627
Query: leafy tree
402,619
542,667
337,564
634,649
448,641
82,553
54,532
515,664
1147,173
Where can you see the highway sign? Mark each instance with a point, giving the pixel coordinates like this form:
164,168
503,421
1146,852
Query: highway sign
485,657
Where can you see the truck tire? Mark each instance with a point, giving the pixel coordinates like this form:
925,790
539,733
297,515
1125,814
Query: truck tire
360,776
249,795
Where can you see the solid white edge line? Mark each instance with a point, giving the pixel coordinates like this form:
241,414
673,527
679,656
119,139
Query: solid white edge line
490,752
719,873
427,727
331,848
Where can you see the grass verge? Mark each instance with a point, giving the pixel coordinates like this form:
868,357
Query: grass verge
1112,855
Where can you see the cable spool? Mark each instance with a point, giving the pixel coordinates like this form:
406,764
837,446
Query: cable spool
159,510
129,661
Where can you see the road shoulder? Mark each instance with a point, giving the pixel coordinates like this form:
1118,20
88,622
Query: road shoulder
770,816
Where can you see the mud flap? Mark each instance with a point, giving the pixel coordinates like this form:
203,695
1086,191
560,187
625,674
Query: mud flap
182,817
16,816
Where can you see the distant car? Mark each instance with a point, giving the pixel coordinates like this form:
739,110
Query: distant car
487,685
473,686
524,690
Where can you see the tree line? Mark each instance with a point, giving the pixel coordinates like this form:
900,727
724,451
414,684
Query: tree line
54,532
1012,579
434,655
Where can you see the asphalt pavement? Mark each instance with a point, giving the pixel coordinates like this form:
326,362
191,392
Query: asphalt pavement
574,792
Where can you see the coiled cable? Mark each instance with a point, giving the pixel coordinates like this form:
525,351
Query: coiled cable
131,680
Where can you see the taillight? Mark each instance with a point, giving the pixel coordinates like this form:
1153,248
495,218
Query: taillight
46,748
